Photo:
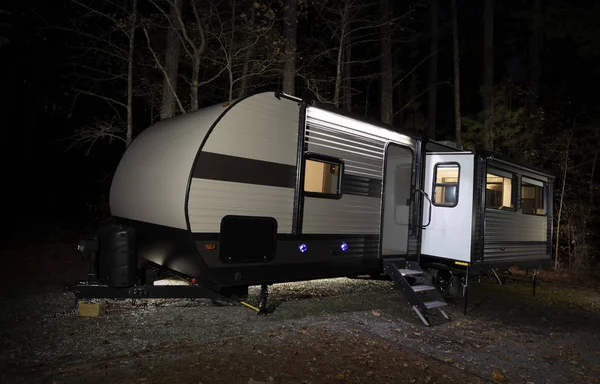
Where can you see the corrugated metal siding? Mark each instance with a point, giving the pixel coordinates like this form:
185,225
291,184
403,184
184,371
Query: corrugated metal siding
260,127
514,236
151,180
348,215
362,148
362,156
514,252
211,200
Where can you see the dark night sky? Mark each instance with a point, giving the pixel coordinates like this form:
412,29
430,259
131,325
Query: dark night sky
50,189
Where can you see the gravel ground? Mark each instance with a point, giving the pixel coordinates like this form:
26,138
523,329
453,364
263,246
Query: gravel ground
333,330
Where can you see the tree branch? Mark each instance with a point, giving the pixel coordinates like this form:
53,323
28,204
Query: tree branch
156,59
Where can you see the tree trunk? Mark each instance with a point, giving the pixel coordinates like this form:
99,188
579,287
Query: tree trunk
399,88
196,53
230,76
245,80
456,60
400,101
340,59
433,69
387,98
171,63
289,34
129,133
348,77
194,85
591,191
562,196
535,44
488,74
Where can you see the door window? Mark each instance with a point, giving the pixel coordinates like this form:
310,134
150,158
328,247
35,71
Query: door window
445,184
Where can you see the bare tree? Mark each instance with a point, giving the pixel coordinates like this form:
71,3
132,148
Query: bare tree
327,69
290,25
221,40
348,78
133,26
433,69
565,172
535,44
192,37
456,66
404,81
386,82
488,74
243,48
246,79
171,67
114,46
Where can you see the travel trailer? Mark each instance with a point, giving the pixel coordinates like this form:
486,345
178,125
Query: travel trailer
271,188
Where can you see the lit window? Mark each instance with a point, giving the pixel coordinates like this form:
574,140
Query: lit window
500,191
445,187
532,197
322,177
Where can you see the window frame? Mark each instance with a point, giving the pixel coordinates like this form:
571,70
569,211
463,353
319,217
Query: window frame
514,188
434,184
544,202
322,158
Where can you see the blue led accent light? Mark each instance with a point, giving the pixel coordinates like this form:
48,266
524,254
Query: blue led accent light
302,248
344,246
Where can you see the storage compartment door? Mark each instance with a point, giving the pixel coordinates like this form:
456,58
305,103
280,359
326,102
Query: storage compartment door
448,216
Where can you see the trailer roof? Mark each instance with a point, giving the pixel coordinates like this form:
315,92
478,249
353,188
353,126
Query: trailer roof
506,160
356,116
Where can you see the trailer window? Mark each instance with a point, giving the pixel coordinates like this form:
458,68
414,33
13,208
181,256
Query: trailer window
445,187
322,177
500,191
532,197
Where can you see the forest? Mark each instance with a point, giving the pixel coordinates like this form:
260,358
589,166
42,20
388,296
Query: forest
82,78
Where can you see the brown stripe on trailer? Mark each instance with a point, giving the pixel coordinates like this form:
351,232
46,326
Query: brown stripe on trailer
215,166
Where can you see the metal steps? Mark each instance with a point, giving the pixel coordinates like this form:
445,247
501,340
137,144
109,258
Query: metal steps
410,272
435,304
422,295
421,288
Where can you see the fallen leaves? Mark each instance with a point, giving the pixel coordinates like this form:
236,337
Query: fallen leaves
252,381
497,376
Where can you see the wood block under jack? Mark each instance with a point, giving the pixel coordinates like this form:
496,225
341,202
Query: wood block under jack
91,309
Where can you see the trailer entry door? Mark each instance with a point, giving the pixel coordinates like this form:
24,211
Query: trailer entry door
447,218
397,200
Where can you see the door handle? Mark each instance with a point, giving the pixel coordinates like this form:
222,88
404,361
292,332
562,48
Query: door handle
430,206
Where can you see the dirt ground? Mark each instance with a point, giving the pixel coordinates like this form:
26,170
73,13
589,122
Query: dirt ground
324,331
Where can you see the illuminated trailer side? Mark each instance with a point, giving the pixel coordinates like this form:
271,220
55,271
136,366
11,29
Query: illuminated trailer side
267,189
